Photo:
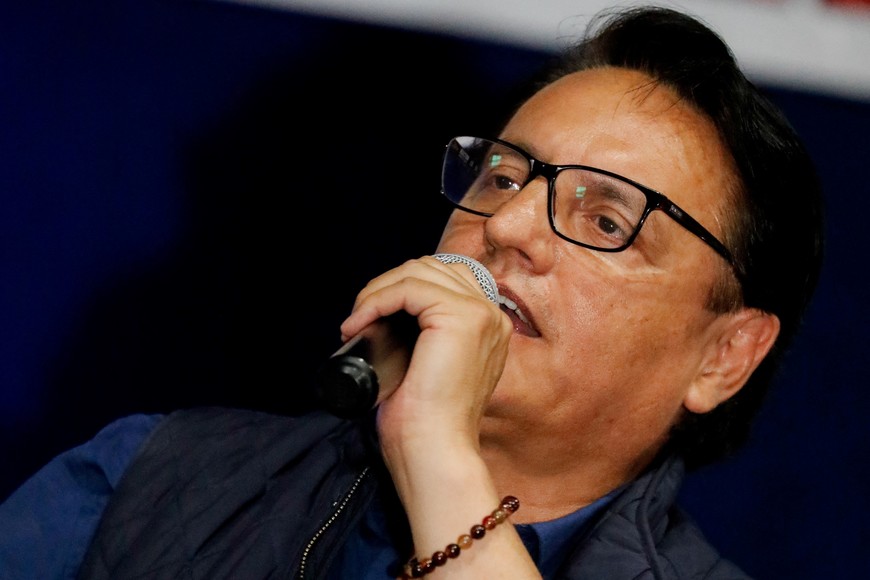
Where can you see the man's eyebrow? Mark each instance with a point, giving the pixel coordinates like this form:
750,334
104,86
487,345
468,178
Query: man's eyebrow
614,189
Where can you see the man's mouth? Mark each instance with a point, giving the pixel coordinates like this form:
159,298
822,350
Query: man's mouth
522,324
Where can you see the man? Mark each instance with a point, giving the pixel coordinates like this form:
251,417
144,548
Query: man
654,229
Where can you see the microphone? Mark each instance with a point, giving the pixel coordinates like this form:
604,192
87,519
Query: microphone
372,364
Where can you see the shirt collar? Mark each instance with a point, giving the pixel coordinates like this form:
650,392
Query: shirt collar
548,542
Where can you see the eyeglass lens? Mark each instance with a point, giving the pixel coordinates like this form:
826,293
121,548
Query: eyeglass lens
588,207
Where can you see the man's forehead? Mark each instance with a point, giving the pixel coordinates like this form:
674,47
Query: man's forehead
620,120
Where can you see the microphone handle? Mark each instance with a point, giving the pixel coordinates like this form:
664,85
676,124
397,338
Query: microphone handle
348,386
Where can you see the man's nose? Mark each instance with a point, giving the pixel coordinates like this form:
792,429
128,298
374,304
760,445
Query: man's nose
522,223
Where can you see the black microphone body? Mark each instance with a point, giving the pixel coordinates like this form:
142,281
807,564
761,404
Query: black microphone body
372,364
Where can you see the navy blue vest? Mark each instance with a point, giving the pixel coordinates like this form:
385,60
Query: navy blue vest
218,494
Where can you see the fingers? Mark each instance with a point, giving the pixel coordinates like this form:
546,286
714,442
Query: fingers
461,347
413,286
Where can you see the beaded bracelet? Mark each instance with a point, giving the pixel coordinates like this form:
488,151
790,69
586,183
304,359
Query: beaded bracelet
418,568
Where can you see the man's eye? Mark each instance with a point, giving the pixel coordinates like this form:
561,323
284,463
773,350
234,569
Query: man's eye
505,183
611,228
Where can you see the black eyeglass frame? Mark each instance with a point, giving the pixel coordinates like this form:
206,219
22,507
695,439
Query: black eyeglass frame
654,201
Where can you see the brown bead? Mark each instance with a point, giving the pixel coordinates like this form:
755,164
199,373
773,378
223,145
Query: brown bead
416,570
500,515
452,550
439,558
477,531
426,566
464,541
510,503
489,522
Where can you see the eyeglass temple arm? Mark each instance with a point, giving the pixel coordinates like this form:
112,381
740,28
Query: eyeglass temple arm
688,222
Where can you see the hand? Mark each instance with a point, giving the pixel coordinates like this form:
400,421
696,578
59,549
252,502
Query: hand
458,357
429,426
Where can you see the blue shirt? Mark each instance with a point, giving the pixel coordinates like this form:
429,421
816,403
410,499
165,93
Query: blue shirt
47,524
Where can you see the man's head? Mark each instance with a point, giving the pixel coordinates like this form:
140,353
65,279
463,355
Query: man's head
773,228
667,332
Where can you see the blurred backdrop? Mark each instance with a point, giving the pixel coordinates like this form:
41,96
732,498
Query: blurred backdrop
194,191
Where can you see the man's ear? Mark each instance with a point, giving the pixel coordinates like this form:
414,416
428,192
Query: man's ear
740,345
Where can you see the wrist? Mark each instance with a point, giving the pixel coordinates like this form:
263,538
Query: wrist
418,567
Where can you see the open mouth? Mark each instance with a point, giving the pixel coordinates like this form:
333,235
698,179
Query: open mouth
522,324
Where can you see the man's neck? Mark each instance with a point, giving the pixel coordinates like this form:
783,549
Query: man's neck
554,480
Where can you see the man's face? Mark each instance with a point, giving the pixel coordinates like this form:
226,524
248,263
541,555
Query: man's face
614,340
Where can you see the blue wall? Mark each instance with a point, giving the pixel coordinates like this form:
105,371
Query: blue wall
177,176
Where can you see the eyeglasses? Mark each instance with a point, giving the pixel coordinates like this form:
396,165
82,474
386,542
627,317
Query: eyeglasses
590,207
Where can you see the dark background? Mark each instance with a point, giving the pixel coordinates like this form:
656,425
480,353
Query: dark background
193,193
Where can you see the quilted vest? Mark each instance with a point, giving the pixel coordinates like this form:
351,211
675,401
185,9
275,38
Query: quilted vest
216,494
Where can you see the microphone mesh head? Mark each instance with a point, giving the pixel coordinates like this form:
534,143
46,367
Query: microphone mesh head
481,274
